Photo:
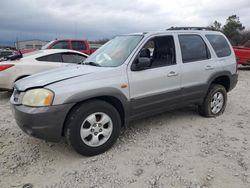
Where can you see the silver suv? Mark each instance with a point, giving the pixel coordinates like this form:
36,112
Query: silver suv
130,77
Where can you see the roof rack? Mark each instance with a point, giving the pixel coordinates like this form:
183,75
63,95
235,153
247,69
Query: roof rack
190,28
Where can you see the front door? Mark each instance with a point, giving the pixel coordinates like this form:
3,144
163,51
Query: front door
158,86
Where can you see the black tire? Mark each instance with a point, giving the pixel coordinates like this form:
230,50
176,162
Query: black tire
205,109
77,117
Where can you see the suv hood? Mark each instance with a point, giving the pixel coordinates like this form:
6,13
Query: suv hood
56,75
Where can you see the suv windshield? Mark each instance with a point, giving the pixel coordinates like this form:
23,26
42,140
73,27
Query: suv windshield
115,52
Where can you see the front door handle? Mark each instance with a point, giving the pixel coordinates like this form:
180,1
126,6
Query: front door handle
172,73
209,67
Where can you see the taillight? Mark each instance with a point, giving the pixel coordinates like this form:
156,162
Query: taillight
5,66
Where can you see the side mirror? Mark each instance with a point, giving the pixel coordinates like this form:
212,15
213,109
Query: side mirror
144,52
142,63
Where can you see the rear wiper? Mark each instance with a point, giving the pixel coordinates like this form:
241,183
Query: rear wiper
92,64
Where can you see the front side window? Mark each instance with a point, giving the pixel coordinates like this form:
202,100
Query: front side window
220,45
78,45
160,50
193,48
50,58
115,52
61,45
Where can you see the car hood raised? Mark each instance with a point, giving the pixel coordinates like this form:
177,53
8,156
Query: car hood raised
56,75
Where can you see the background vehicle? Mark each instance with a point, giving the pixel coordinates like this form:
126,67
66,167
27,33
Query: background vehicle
5,53
130,77
243,53
34,62
78,45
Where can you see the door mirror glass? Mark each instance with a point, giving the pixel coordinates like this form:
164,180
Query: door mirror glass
141,64
145,52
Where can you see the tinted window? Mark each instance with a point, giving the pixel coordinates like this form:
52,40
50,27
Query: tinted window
80,58
193,48
72,58
51,58
160,50
78,45
219,45
61,45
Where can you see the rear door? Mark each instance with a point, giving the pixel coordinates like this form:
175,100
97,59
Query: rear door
39,64
48,62
198,64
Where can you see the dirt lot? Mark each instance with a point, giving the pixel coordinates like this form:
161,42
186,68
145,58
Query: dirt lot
173,149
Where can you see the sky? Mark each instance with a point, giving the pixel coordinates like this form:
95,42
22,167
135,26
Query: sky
99,19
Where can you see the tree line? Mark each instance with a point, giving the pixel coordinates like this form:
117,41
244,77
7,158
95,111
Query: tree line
233,29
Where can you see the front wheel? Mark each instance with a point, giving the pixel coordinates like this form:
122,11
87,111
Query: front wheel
93,127
215,102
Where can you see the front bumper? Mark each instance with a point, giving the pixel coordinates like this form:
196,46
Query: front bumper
233,81
43,122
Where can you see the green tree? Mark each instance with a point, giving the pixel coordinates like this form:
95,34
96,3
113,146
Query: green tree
232,29
215,26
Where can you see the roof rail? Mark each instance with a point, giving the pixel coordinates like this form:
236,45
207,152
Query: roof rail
190,28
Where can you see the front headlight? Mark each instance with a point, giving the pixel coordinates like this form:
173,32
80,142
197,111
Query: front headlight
38,97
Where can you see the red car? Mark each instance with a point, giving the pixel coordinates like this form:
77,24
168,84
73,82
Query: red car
78,45
243,53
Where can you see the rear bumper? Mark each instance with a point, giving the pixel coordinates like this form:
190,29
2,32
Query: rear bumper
233,81
43,122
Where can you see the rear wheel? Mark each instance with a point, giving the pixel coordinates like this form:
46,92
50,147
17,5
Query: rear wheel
214,103
93,127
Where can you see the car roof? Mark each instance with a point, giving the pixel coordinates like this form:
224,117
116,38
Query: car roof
190,31
39,53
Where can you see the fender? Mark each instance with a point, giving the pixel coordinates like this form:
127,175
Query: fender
219,74
101,92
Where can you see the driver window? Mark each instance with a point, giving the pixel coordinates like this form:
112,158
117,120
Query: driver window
160,50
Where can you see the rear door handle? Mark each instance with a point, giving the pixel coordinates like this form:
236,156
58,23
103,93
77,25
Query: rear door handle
172,73
209,67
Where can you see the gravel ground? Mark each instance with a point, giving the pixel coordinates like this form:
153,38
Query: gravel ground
174,149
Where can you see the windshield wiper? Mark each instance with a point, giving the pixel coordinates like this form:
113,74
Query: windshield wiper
92,64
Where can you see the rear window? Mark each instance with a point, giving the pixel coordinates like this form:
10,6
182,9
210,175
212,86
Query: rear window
193,48
220,45
78,45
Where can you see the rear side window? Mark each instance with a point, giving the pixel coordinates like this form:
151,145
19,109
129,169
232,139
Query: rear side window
193,48
51,58
220,45
61,45
78,45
